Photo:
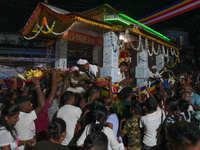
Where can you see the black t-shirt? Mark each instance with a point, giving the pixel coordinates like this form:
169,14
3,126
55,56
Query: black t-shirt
49,146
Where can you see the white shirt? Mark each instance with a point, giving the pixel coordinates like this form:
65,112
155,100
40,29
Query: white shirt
112,118
93,69
151,124
70,114
154,75
25,126
112,141
7,139
122,76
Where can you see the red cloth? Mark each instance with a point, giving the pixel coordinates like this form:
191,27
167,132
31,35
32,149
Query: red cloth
43,119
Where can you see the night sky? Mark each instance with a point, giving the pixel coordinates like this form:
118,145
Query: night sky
15,13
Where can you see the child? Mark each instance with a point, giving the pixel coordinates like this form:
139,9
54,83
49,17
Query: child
166,83
131,128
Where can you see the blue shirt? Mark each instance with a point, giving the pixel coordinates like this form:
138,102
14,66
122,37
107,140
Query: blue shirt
195,99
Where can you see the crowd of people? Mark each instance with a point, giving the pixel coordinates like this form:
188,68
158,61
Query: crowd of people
73,115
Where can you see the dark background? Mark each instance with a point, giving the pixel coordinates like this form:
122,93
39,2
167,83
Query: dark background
15,13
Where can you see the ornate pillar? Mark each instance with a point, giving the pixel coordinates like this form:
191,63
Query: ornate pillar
61,54
142,70
160,62
97,55
110,56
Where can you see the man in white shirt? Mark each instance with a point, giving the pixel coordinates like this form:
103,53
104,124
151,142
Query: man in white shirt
70,114
151,123
25,126
153,74
92,71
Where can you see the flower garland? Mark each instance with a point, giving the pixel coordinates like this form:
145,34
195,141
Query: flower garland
147,48
50,29
177,61
139,44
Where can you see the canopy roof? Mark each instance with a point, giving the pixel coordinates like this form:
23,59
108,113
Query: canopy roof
50,22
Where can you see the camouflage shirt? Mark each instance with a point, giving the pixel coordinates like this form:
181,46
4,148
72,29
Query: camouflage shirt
132,130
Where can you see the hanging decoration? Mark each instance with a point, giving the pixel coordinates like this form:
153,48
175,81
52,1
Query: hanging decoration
177,61
161,49
139,44
49,29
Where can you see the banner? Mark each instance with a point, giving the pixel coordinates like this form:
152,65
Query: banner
83,38
151,86
170,11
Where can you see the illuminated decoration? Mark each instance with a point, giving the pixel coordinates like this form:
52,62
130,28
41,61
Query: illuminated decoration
165,52
128,21
134,30
170,11
115,19
114,28
50,29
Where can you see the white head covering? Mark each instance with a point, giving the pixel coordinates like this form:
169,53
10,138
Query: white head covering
182,77
154,67
82,61
74,68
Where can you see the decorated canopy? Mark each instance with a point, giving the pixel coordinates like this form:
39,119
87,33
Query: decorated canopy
49,22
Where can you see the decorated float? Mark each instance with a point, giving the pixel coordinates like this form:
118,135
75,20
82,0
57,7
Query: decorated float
107,35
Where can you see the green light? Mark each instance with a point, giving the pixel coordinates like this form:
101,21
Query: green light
117,19
144,26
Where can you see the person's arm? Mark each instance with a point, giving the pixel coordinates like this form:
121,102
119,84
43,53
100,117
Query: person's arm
25,91
64,88
30,142
40,96
125,81
53,87
147,88
110,89
139,95
14,86
195,107
99,71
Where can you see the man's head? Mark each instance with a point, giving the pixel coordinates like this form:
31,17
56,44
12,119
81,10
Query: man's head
96,141
75,70
186,96
188,88
183,136
151,104
24,103
67,98
93,93
182,80
154,69
126,93
123,66
84,63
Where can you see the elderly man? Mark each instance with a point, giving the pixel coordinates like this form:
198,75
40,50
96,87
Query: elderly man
153,74
92,71
192,97
77,85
